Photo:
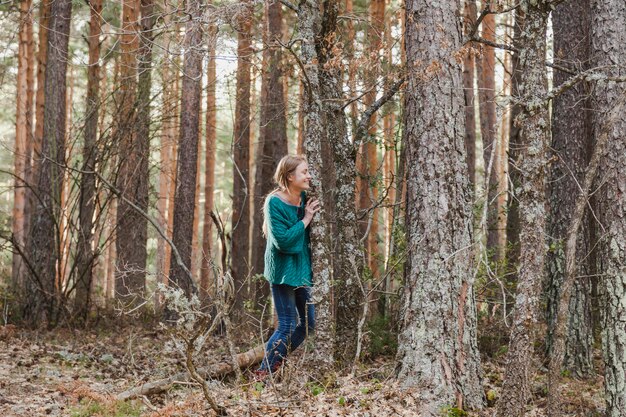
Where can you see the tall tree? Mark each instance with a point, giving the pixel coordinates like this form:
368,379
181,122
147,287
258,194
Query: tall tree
469,69
571,142
131,228
44,248
240,259
85,256
609,49
367,160
488,125
339,163
272,144
209,166
184,200
534,138
437,347
23,136
309,26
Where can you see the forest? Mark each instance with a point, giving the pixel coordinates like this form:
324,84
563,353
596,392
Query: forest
468,257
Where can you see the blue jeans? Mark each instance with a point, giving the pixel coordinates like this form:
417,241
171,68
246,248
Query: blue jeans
294,312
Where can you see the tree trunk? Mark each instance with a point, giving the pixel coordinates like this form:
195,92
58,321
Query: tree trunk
309,26
240,260
534,137
43,301
609,49
184,198
209,167
131,229
437,347
167,153
513,215
571,142
22,139
367,161
469,64
272,143
488,129
85,258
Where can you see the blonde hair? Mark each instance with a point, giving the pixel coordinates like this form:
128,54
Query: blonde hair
286,166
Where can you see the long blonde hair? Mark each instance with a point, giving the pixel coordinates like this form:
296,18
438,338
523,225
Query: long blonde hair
286,166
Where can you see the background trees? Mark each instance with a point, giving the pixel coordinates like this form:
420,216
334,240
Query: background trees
407,131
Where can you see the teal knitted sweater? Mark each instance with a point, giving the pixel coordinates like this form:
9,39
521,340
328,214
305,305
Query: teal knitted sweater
287,254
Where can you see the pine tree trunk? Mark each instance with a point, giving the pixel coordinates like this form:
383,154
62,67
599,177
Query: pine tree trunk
272,143
437,347
131,229
22,139
209,167
85,258
314,134
571,142
184,199
488,128
469,67
609,49
241,171
43,301
534,139
367,160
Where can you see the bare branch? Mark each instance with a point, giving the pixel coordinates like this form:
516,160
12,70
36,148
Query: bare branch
290,5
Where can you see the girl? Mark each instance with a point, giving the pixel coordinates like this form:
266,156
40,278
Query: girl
287,215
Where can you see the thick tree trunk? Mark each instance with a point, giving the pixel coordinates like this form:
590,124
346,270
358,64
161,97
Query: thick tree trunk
314,134
132,229
534,139
240,258
272,143
469,66
22,139
609,48
437,347
209,168
42,302
184,199
339,164
85,258
571,142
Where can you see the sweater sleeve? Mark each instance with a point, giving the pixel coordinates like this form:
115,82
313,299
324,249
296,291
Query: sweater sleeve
287,238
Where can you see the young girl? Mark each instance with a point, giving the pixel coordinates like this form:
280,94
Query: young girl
288,259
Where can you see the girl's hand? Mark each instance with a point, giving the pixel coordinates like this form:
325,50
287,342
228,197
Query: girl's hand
312,207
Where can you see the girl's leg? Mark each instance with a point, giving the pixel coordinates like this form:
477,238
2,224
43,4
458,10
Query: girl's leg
278,345
306,313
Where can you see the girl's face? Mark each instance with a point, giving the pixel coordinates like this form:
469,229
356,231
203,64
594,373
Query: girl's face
299,179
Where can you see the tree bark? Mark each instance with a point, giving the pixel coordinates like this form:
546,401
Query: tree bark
609,48
367,159
184,198
488,129
571,143
314,134
272,143
240,257
23,134
42,304
85,258
469,68
437,347
131,228
209,167
534,137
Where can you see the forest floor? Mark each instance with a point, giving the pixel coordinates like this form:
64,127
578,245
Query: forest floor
78,373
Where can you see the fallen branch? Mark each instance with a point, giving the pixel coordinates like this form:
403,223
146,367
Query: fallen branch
244,360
